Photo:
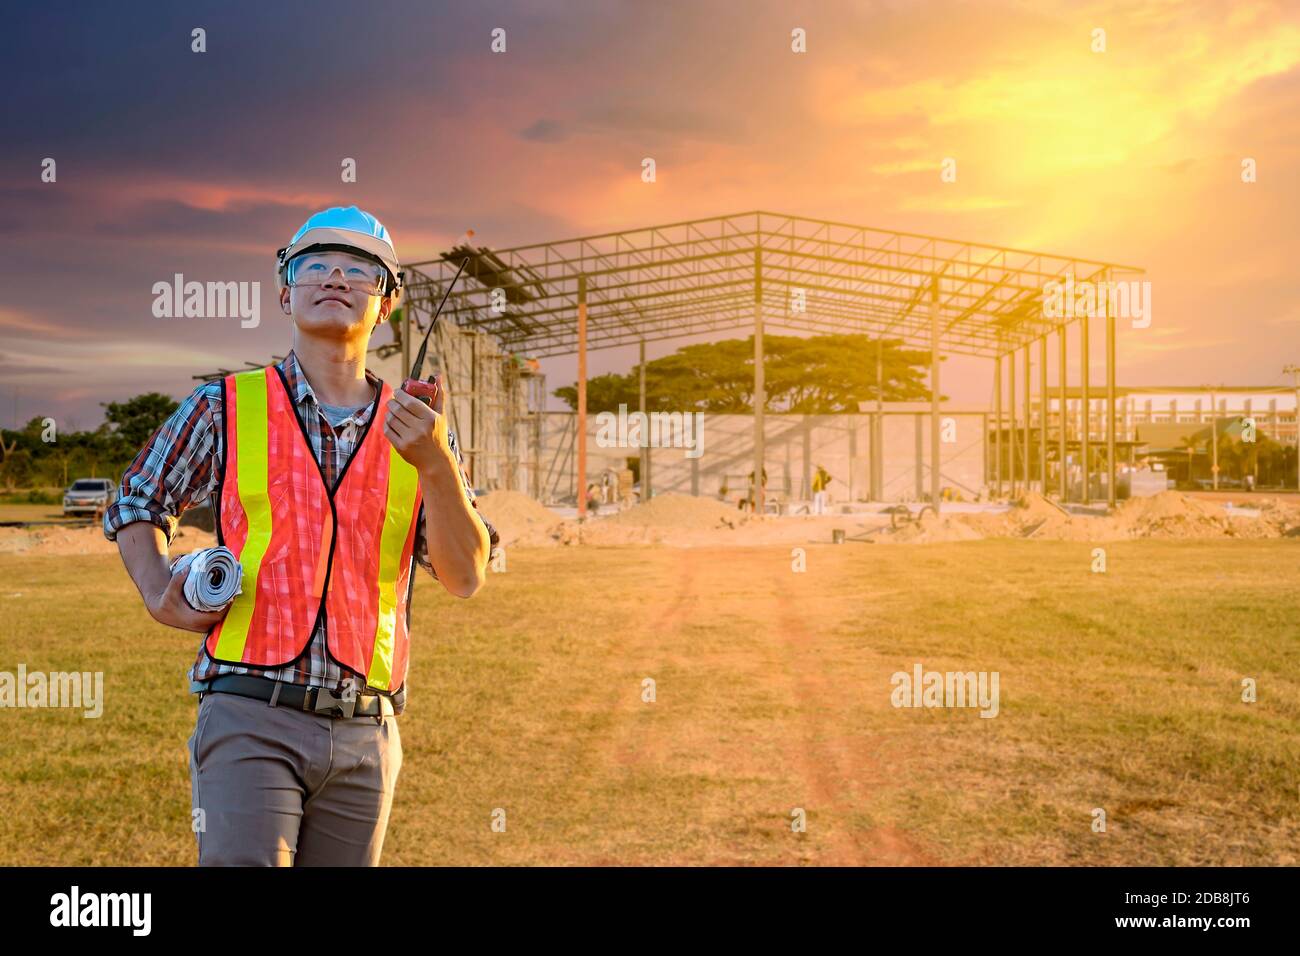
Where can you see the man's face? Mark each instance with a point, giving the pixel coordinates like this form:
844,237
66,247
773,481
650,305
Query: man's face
333,292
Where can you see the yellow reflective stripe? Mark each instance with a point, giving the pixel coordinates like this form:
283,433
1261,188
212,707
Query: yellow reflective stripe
403,479
253,463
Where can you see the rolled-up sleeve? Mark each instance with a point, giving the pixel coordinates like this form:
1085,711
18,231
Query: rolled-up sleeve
421,539
173,471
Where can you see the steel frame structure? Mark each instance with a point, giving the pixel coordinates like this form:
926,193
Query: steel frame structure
759,269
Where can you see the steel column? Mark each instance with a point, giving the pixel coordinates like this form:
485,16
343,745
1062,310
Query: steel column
1063,420
581,397
643,466
997,425
934,393
878,427
1012,440
1085,409
1111,491
1042,415
1029,420
760,389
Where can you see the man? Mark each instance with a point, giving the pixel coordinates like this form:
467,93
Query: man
750,502
328,486
820,481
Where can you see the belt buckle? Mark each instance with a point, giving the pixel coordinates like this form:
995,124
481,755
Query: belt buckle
345,705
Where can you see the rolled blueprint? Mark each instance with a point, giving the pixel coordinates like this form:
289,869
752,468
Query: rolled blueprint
213,579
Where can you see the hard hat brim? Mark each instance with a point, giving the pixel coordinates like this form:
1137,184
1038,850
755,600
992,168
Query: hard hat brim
375,248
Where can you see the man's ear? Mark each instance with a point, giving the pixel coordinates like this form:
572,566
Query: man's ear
285,292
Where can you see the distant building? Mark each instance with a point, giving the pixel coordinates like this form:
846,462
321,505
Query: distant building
1273,407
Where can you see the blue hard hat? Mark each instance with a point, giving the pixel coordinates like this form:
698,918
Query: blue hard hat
344,228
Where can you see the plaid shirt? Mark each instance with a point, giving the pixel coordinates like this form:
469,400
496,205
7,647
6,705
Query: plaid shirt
177,469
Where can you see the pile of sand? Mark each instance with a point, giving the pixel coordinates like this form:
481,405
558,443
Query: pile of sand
520,520
53,540
1282,517
669,519
681,511
1037,517
1171,515
932,529
1168,514
1032,516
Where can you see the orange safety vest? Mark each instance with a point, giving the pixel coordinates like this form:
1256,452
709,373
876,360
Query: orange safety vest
307,550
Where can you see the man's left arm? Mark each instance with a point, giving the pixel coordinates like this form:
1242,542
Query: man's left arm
421,533
457,540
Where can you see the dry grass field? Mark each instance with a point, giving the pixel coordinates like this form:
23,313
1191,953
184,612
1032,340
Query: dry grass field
1119,690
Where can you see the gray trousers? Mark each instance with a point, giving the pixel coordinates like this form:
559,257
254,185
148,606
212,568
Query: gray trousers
274,786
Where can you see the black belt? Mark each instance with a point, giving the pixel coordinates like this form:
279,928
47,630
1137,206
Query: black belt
314,700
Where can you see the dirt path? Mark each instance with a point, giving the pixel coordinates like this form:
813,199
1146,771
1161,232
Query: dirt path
840,765
834,762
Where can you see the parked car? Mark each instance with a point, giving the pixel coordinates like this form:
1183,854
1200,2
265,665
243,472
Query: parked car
89,496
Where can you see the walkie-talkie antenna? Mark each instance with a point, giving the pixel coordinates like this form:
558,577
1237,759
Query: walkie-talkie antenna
419,356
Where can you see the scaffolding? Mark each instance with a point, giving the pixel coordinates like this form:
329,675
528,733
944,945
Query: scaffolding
758,269
495,403
751,271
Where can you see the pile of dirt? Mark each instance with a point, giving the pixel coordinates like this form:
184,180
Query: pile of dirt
519,519
681,511
53,540
1031,516
669,519
1037,517
931,529
1282,517
1170,514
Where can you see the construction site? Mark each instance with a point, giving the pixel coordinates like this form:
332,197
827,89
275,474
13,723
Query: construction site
851,503
952,469
1052,455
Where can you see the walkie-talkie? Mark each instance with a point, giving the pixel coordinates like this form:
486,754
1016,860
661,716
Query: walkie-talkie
427,391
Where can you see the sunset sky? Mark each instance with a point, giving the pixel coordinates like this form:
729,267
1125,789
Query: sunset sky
171,161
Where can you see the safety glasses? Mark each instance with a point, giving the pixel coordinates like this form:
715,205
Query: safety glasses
316,269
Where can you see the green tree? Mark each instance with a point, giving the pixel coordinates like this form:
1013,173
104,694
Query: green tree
821,375
18,469
135,420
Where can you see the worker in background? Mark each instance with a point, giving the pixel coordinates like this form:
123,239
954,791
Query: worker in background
820,480
749,502
594,496
329,486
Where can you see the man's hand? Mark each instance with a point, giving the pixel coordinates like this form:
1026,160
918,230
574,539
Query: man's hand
418,432
170,607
